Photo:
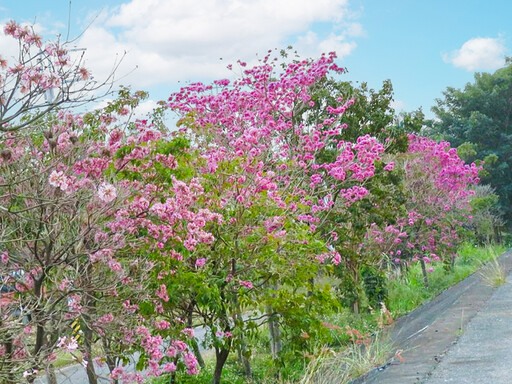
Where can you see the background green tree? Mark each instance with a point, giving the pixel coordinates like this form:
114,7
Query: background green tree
361,271
479,120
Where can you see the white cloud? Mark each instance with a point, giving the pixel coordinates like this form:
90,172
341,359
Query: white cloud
355,30
480,53
311,45
8,46
145,108
398,105
170,40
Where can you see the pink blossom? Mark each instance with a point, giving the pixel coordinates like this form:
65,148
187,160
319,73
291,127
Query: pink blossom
169,367
161,292
57,179
188,332
190,361
74,303
68,343
180,345
162,324
4,257
64,284
107,192
200,262
108,318
116,373
246,284
129,307
390,166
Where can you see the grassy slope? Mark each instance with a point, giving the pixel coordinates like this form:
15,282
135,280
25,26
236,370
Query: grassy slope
408,292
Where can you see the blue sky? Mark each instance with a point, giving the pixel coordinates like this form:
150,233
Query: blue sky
423,46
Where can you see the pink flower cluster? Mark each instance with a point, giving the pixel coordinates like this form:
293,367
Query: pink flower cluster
439,184
59,180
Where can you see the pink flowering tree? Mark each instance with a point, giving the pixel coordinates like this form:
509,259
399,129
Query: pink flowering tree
65,219
257,156
438,184
41,77
72,220
164,218
370,230
55,198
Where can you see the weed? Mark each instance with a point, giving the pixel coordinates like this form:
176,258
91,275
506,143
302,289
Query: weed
356,360
492,273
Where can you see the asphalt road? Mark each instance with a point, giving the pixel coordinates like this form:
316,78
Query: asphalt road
75,374
451,338
484,352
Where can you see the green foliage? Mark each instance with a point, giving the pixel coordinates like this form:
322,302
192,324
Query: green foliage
371,114
487,222
349,291
467,152
407,291
374,285
479,119
262,368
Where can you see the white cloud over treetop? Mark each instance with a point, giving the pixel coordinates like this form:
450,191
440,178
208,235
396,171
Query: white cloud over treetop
171,40
480,53
398,105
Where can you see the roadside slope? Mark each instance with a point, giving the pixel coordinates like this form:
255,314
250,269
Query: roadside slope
483,353
428,332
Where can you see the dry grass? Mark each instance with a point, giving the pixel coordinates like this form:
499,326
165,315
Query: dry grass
492,273
341,368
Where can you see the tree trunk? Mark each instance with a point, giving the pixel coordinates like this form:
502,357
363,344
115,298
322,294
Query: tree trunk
424,272
195,347
355,277
242,347
51,378
38,317
221,355
355,307
88,336
273,325
89,369
7,367
275,335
